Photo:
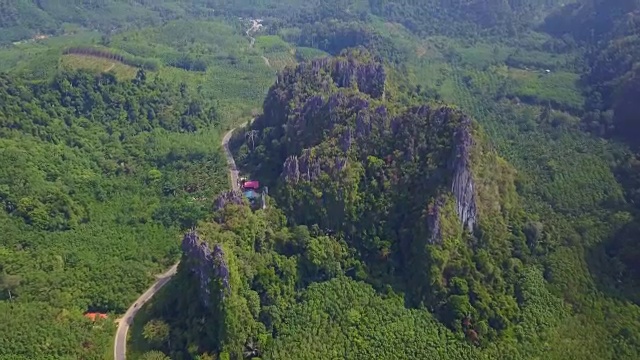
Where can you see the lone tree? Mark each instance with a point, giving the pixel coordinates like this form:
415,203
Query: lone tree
156,332
141,76
251,136
9,283
155,355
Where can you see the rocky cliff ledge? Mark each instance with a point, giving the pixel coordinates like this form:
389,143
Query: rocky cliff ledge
208,265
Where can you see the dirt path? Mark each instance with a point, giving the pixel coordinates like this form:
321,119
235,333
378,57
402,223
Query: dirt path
255,26
266,61
231,163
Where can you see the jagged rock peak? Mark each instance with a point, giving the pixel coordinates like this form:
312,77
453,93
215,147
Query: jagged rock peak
463,186
303,167
228,197
352,67
206,264
358,67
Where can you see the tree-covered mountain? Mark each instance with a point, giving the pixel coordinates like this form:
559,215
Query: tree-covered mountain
397,214
409,189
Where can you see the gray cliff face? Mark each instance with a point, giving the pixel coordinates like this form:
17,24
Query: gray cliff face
206,264
304,167
369,77
291,169
346,140
363,125
463,186
433,222
308,168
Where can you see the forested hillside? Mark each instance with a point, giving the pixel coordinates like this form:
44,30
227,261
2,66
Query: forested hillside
611,32
24,18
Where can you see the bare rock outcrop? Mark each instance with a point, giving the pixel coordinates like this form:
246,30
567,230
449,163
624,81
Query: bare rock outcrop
304,167
208,265
228,197
463,185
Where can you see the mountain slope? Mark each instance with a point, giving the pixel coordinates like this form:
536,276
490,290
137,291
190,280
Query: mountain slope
24,18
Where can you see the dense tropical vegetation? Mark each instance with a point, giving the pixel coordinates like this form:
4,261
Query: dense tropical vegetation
364,250
98,176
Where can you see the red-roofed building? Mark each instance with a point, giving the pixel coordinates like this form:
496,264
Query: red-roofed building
251,184
93,316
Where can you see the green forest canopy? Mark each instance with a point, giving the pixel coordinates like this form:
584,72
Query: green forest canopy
93,196
85,231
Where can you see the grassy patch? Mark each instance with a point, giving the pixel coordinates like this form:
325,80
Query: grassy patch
272,44
236,76
98,65
306,53
277,52
483,54
559,87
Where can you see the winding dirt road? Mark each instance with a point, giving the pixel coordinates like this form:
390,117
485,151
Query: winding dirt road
231,163
120,344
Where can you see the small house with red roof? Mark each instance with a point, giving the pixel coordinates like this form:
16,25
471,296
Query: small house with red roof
94,316
251,185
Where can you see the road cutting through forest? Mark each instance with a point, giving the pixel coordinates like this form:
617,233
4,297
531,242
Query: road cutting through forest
120,343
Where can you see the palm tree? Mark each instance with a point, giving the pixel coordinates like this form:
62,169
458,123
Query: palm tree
251,136
251,350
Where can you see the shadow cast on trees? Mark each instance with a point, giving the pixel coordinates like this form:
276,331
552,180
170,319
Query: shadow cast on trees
615,264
